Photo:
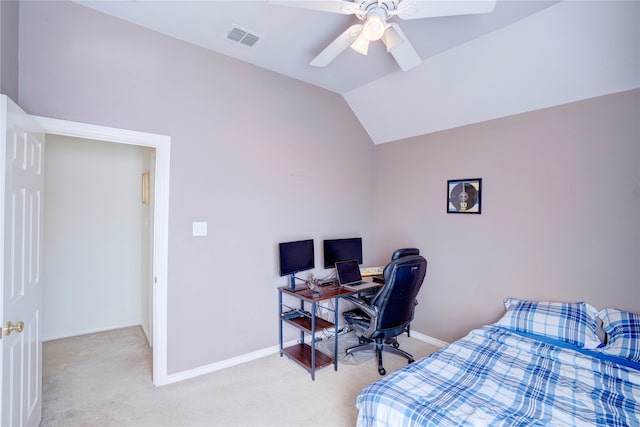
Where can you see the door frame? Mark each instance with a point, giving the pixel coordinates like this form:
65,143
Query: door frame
162,144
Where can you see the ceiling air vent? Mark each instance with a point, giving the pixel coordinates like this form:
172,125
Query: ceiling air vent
243,36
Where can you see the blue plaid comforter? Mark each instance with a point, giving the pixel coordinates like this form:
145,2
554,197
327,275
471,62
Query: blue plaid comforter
496,377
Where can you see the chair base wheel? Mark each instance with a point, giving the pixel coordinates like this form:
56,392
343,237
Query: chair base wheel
410,361
382,371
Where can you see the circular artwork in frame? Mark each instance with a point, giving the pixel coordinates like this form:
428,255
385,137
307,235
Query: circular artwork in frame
464,195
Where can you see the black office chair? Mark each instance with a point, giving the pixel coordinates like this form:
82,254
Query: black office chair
399,253
379,322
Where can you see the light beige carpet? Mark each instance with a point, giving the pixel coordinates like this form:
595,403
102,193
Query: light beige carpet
104,379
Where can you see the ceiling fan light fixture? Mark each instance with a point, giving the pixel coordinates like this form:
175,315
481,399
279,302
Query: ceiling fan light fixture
374,27
361,45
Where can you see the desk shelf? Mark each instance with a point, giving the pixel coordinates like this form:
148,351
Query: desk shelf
301,353
304,322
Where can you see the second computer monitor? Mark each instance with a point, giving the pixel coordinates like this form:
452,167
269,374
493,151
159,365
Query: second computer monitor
342,250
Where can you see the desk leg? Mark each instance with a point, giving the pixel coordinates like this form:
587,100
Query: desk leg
313,341
280,317
335,341
301,331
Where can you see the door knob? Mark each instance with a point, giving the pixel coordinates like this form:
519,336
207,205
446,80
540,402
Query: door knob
18,327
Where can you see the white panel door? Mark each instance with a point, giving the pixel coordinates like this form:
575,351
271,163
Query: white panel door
22,187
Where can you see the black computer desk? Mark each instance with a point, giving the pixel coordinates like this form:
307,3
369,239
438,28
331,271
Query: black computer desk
306,355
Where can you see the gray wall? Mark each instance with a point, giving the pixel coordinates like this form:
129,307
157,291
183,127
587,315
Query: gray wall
262,158
560,210
9,11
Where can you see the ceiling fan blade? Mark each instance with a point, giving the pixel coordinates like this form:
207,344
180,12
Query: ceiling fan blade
335,6
399,46
417,9
336,47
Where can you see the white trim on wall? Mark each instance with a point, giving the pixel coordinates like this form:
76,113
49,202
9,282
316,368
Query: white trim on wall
218,366
90,331
162,144
428,339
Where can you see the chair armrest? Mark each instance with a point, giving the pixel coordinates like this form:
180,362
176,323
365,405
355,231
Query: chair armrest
362,305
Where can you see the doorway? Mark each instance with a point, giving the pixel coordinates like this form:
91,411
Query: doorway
161,145
97,229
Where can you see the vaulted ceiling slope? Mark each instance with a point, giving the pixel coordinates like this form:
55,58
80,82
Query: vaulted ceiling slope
523,56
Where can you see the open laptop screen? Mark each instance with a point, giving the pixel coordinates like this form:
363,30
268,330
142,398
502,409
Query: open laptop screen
348,272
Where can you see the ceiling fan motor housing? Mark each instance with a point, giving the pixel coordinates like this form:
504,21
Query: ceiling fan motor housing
366,7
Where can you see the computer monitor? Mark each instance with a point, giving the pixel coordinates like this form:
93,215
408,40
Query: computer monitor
295,257
342,250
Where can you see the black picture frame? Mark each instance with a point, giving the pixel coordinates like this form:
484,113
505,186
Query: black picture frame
464,196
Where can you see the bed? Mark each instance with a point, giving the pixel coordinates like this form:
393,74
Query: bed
542,363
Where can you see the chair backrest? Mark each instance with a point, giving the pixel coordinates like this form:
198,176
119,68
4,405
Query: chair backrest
396,299
399,253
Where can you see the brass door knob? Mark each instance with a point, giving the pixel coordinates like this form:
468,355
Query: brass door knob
18,327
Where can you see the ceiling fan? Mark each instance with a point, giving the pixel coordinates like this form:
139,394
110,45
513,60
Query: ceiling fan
375,14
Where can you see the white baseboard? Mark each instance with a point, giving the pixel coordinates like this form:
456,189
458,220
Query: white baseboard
87,331
147,335
428,339
248,357
192,373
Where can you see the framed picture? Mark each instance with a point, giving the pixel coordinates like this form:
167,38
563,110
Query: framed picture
464,196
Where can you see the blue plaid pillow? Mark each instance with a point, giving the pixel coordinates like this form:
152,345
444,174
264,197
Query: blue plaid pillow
574,323
623,333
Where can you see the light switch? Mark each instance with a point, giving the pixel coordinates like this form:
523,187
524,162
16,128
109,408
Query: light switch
199,229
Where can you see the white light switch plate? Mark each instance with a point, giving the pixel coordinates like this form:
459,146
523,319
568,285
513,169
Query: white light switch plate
199,229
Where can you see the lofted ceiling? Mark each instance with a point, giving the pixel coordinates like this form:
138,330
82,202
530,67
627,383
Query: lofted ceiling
292,37
474,67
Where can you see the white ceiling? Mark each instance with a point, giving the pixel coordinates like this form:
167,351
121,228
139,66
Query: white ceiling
292,37
523,56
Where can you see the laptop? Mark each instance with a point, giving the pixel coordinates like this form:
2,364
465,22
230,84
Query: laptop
349,276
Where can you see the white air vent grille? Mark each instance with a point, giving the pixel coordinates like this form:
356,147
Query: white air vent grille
243,36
